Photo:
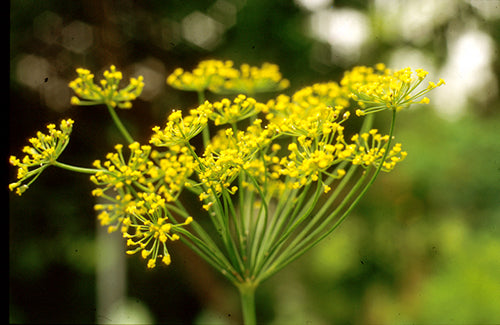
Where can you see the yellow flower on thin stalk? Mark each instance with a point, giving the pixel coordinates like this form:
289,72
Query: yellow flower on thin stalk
370,149
311,111
113,211
218,168
221,77
230,112
44,151
117,172
180,129
175,168
229,154
202,76
377,89
147,226
108,92
251,80
308,161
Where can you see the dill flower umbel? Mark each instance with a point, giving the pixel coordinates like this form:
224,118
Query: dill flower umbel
251,80
370,150
202,76
221,77
135,193
147,227
309,111
117,172
145,170
180,129
142,220
88,93
380,88
230,112
271,179
43,152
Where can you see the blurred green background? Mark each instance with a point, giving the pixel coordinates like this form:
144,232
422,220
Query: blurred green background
423,247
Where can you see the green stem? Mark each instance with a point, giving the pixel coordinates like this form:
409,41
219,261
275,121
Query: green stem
205,132
119,124
75,168
247,298
299,246
367,186
307,239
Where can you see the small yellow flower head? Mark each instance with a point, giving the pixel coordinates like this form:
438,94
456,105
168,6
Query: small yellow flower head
370,149
228,154
203,75
117,172
220,164
222,77
113,214
88,93
251,80
226,111
45,149
311,111
149,228
381,88
308,160
179,130
164,173
328,94
174,170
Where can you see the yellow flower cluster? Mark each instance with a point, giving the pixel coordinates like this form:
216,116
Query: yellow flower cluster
116,172
175,168
307,161
230,154
380,88
137,191
230,112
113,213
370,149
88,93
218,169
310,123
43,152
143,221
265,149
145,170
179,129
203,75
146,226
222,77
311,111
252,80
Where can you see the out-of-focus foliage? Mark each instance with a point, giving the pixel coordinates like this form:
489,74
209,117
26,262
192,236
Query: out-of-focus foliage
424,245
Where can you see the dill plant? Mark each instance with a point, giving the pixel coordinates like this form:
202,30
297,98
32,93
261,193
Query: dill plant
273,178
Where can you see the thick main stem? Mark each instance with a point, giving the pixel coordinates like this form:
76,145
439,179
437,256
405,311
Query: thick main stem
247,298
